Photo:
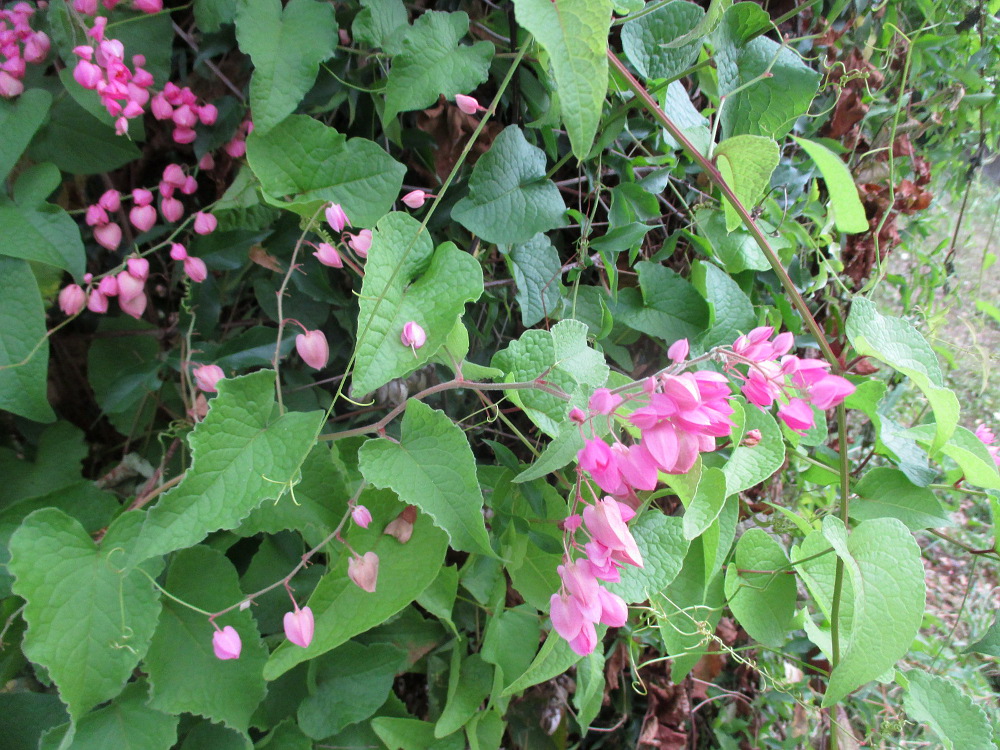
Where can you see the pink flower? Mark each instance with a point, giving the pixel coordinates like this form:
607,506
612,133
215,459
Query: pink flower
208,114
299,626
72,298
226,643
830,391
468,104
604,401
604,521
196,269
363,571
985,434
415,198
327,255
184,135
178,251
190,186
174,175
87,74
413,336
135,306
362,516
96,216
313,349
160,107
207,377
206,162
336,217
142,217
109,236
597,458
678,351
361,242
570,623
149,6
111,200
171,209
108,286
577,415
204,223
97,302
142,197
797,415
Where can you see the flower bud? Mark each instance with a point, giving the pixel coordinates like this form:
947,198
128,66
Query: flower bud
174,175
577,415
142,217
226,643
72,298
401,526
361,242
299,626
129,287
752,438
208,114
678,351
415,198
111,200
336,217
137,267
108,236
142,197
178,251
362,516
171,209
327,255
204,223
313,349
206,162
96,216
468,104
207,376
363,571
135,306
190,186
97,302
413,335
108,286
195,269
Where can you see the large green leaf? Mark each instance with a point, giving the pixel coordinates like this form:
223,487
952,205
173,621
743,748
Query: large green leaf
898,344
509,200
958,722
537,273
406,280
661,541
468,687
763,603
848,213
23,369
706,504
77,142
381,23
309,163
432,467
432,63
39,231
574,33
746,163
241,456
883,561
644,40
750,465
89,619
553,658
341,609
732,312
286,46
887,493
965,449
669,307
184,672
19,119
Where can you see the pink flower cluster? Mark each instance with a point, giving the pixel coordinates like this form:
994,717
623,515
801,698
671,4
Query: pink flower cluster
795,382
180,105
19,45
582,602
128,286
89,7
987,438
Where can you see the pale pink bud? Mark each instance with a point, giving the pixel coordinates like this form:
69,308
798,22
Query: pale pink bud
36,47
160,107
236,148
206,377
195,269
184,117
678,351
361,242
121,126
204,223
327,255
72,298
174,175
336,217
208,114
313,349
108,236
362,516
299,626
752,438
184,135
413,335
135,306
97,302
149,6
166,189
129,287
87,74
108,286
171,209
576,415
142,217
468,104
363,571
178,251
142,197
132,110
415,198
226,643
190,186
111,200
138,268
84,51
96,216
206,162
16,66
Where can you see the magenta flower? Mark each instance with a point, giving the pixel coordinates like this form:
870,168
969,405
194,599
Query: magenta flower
72,298
204,223
604,521
604,401
299,626
226,643
336,217
363,571
178,251
797,415
313,349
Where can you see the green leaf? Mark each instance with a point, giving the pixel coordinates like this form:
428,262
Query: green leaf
898,344
211,15
748,466
559,452
589,689
510,640
574,33
887,493
352,682
406,279
39,231
990,642
663,546
381,23
240,456
965,449
60,448
883,561
848,213
89,621
439,597
285,736
645,40
537,273
958,722
184,672
286,46
25,716
707,503
23,369
465,695
127,723
432,467
509,200
432,63
341,609
669,308
312,164
746,163
763,603
413,734
19,119
77,142
731,311
553,658
736,250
